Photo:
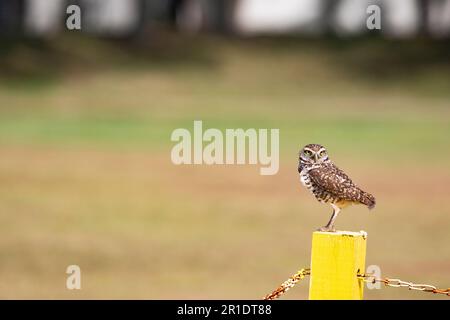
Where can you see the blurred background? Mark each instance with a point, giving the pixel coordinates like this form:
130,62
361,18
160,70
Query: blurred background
85,123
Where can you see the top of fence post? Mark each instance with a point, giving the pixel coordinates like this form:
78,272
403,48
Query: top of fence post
336,259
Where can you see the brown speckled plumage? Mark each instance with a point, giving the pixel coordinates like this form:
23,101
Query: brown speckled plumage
328,183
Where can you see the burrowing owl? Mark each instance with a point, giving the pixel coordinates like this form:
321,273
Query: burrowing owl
328,183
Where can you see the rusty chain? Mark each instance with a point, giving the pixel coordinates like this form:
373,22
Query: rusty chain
396,283
289,283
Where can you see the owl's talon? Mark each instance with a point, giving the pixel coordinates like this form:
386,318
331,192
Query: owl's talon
327,229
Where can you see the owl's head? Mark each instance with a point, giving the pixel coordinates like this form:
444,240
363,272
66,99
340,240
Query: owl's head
313,154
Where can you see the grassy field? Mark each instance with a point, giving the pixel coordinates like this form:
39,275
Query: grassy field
86,176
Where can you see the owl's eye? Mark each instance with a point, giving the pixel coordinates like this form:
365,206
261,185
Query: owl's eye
308,153
322,153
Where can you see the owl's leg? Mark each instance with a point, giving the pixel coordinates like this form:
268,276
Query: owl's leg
330,225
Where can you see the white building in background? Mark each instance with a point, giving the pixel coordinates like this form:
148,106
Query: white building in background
111,17
402,18
105,17
43,17
281,16
399,18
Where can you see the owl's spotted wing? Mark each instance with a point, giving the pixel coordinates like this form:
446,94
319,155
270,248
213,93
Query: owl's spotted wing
334,181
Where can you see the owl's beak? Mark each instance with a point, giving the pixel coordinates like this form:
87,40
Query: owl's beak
316,157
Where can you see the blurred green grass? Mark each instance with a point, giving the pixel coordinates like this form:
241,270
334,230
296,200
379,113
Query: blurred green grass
395,138
330,91
86,176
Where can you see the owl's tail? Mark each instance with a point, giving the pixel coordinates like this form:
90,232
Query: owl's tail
368,200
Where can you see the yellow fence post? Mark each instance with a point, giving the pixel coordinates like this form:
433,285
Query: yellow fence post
336,259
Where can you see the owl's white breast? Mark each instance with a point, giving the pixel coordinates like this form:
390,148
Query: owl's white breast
304,178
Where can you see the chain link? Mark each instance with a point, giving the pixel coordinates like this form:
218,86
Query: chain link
289,283
397,283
